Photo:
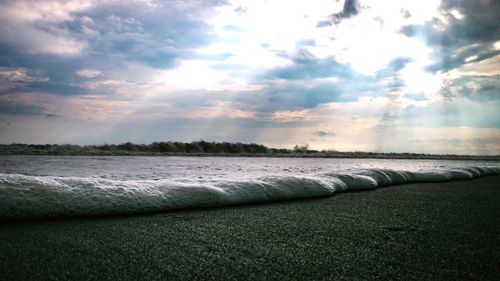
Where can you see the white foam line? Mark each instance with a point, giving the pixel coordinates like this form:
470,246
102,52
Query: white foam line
23,196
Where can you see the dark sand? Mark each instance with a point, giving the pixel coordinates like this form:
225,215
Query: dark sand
445,231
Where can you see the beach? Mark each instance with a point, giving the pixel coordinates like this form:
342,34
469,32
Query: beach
431,231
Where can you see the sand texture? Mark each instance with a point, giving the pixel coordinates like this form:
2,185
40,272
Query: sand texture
437,231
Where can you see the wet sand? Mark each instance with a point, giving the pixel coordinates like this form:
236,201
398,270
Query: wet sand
435,231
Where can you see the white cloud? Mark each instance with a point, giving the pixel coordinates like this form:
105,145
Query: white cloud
35,41
33,25
88,73
13,74
292,115
487,67
43,10
199,74
230,78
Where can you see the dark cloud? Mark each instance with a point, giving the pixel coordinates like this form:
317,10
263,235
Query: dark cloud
301,86
480,21
52,73
480,24
285,96
292,97
157,37
460,41
398,63
351,85
296,97
480,88
350,9
389,78
444,61
58,72
12,108
306,66
48,87
324,134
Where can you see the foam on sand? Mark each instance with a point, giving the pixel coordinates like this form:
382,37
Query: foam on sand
24,196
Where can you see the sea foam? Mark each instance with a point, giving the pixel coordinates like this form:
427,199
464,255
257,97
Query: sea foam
26,196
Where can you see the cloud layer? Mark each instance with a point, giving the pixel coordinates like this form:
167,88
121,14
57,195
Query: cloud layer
344,75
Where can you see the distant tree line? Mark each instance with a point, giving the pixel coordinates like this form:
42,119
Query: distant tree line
205,148
192,147
169,147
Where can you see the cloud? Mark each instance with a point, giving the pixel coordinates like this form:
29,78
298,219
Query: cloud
77,108
11,74
306,66
292,115
12,78
43,10
273,100
67,41
351,8
36,40
88,73
457,113
141,70
472,87
36,26
416,96
462,145
292,96
461,57
43,86
465,33
323,134
479,23
158,37
12,108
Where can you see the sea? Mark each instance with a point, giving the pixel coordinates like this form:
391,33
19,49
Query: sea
68,186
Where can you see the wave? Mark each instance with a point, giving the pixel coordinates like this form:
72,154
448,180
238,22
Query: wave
24,196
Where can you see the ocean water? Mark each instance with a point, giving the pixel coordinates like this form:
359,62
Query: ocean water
59,186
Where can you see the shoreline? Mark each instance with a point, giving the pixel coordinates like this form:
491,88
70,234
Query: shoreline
216,149
344,155
432,231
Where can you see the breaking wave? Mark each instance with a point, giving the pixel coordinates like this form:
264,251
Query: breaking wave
24,196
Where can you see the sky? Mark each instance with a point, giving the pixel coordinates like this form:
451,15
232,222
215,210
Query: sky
367,75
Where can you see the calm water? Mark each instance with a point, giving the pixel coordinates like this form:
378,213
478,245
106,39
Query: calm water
194,168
